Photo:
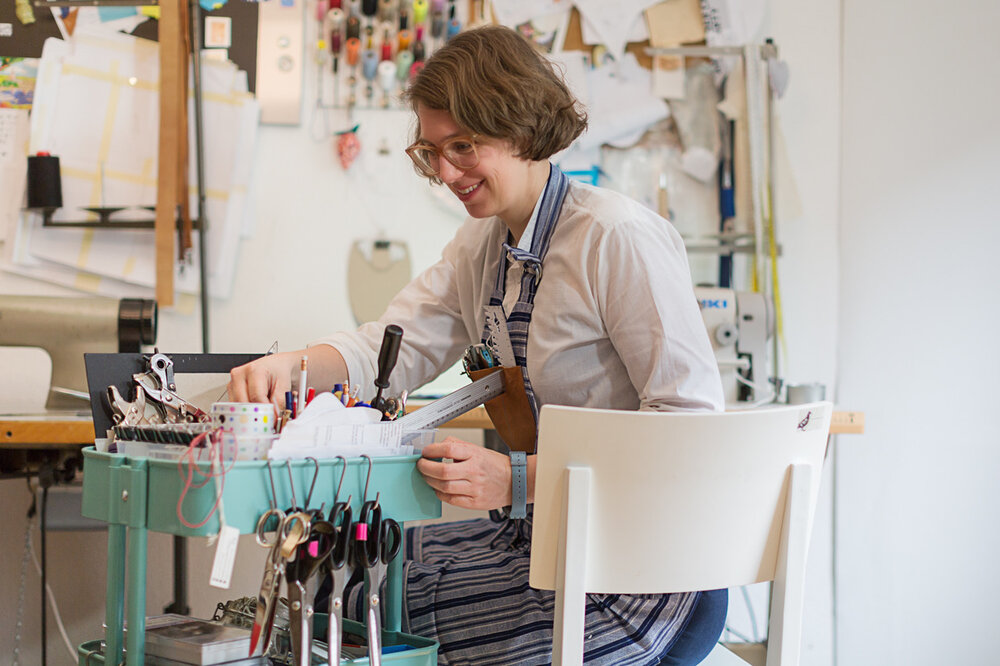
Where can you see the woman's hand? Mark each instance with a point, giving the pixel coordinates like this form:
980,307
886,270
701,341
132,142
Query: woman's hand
264,380
478,478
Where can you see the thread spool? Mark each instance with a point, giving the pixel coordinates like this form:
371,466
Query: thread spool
386,9
322,6
403,61
386,47
354,7
369,7
454,27
419,11
353,27
387,75
437,24
437,6
415,68
44,181
404,39
369,64
419,51
335,18
353,47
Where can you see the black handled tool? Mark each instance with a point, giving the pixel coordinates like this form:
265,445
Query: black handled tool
386,362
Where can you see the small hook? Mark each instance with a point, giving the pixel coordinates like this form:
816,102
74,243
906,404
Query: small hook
371,464
336,496
313,484
291,483
274,495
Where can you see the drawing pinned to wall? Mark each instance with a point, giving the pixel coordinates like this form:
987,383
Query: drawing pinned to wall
17,82
85,87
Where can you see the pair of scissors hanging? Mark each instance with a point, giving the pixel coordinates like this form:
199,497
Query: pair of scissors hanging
293,529
376,543
298,534
339,568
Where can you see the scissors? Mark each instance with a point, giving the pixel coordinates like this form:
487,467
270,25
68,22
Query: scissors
376,543
311,554
338,567
292,531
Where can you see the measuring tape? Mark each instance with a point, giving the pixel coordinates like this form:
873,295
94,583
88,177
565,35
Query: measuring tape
454,404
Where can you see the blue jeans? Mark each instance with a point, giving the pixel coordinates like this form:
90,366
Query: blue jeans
702,631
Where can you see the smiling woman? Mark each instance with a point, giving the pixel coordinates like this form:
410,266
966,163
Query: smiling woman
610,322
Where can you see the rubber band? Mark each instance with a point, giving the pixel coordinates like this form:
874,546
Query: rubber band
215,447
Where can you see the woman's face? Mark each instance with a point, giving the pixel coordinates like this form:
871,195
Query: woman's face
499,185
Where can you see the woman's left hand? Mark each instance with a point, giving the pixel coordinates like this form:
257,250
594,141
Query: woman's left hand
479,478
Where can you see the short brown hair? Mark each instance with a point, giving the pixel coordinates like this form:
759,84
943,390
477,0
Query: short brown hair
494,83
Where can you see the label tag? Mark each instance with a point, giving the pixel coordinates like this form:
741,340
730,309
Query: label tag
225,557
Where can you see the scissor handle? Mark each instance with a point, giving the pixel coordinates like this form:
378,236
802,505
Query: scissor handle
341,512
391,538
309,557
262,530
367,534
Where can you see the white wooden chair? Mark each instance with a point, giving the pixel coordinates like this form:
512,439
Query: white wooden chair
652,502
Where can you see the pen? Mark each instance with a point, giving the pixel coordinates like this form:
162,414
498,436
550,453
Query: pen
310,394
303,386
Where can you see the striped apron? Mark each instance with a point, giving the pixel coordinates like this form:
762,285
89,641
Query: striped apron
467,582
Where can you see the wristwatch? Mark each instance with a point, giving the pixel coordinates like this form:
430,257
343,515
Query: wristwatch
518,484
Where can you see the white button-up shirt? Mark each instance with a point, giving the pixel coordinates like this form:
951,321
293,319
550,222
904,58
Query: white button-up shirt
615,323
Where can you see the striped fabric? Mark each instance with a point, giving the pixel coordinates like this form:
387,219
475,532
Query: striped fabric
520,315
467,588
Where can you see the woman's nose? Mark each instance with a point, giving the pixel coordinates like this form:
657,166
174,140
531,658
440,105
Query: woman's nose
448,172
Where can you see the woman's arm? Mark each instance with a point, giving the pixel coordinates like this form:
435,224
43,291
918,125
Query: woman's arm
477,478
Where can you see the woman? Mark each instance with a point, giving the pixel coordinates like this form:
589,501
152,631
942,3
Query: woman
610,322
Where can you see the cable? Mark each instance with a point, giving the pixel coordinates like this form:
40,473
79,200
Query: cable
753,615
52,598
742,637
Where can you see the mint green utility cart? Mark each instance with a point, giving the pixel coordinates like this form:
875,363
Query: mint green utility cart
138,495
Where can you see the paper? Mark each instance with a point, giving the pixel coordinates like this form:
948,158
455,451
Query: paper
622,105
612,21
668,77
13,166
96,108
513,13
637,33
675,22
225,557
326,429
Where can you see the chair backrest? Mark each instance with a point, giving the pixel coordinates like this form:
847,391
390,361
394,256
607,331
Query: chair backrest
677,501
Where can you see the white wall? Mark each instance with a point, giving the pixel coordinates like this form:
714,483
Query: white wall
918,496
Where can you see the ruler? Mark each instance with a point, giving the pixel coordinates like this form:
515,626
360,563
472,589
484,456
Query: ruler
454,404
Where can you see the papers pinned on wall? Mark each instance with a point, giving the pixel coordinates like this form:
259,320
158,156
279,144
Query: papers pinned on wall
96,108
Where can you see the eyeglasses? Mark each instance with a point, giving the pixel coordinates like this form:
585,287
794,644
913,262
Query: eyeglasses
460,151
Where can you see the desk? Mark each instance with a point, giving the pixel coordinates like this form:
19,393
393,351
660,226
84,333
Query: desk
46,432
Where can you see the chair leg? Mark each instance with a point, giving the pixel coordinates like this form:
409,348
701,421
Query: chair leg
784,639
571,568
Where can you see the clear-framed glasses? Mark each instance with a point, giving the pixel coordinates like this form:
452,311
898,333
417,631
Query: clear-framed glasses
460,151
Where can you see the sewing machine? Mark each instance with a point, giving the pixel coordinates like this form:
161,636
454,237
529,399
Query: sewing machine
739,324
65,328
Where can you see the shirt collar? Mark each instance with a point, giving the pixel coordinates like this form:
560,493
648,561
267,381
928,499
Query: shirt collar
529,231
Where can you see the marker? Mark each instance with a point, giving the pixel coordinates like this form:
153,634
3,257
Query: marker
303,386
295,401
310,395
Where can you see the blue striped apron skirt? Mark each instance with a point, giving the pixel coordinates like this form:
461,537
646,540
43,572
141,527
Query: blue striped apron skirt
467,582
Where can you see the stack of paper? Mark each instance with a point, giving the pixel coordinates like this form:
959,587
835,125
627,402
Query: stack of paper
326,429
96,108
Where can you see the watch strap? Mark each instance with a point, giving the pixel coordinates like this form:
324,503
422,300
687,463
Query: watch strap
518,484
